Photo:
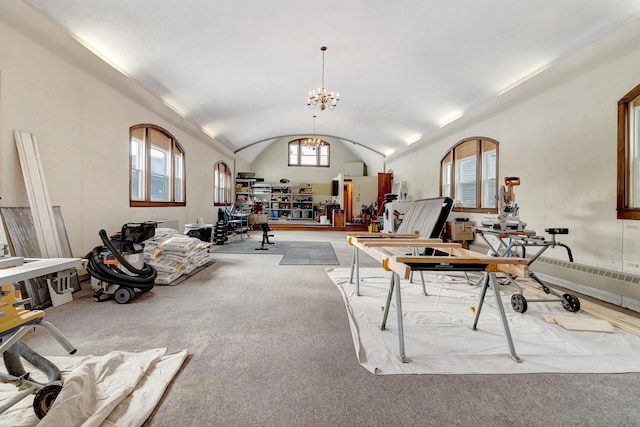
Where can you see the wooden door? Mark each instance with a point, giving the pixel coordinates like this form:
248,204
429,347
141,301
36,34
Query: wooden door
348,201
384,187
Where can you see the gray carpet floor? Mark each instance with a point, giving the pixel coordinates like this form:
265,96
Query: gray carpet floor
270,345
295,253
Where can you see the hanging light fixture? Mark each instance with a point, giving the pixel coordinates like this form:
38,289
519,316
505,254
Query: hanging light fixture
313,142
322,96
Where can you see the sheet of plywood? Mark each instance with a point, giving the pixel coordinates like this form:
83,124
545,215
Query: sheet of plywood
618,319
579,323
41,211
17,223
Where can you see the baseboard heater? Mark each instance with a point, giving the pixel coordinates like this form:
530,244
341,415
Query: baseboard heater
617,288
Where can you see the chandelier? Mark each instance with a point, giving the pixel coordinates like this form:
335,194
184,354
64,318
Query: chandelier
313,142
322,96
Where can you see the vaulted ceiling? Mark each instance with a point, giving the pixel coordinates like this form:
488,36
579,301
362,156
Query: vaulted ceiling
242,70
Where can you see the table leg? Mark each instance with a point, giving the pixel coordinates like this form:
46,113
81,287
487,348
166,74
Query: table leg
483,292
387,304
505,325
403,357
353,263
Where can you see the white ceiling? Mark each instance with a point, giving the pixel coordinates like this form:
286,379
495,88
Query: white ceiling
242,70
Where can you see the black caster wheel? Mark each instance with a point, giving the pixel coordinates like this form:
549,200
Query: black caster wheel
97,294
44,399
570,303
519,303
123,295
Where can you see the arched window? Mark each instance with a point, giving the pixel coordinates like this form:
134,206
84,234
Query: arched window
468,174
156,168
628,196
221,184
302,153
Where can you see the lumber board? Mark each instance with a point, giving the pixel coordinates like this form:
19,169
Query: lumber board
420,243
518,269
573,323
38,194
364,234
403,270
618,319
387,262
393,260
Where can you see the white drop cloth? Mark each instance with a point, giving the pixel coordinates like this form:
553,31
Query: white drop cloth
439,338
117,389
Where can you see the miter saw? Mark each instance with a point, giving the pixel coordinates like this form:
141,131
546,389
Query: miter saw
508,218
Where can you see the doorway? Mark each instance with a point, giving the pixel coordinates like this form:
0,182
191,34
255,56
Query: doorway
348,201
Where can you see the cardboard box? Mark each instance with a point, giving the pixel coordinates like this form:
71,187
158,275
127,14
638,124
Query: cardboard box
460,230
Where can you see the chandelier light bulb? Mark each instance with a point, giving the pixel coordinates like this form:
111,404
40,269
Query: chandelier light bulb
314,142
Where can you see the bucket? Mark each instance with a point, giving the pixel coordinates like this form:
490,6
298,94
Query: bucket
323,219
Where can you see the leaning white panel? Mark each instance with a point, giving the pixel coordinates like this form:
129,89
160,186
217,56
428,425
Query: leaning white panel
34,180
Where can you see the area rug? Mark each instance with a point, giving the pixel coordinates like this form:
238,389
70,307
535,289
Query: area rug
119,388
439,338
309,253
295,253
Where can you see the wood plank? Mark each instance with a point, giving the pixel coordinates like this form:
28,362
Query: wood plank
519,269
623,321
573,323
618,319
403,270
38,194
391,255
384,235
420,243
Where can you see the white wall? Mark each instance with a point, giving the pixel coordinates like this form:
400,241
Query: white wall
273,164
558,133
82,127
365,192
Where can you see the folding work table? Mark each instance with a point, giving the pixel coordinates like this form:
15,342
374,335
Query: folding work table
450,257
507,243
16,321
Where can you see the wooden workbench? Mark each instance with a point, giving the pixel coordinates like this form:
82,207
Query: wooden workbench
399,255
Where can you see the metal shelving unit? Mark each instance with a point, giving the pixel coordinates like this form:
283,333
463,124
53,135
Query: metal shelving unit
279,201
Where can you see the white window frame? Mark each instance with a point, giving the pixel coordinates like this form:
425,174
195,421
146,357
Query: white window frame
140,153
301,155
221,183
485,186
489,178
463,185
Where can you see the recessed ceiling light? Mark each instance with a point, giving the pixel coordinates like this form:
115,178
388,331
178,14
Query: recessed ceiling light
517,82
451,118
413,139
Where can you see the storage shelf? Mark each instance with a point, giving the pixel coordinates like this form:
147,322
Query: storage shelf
278,201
